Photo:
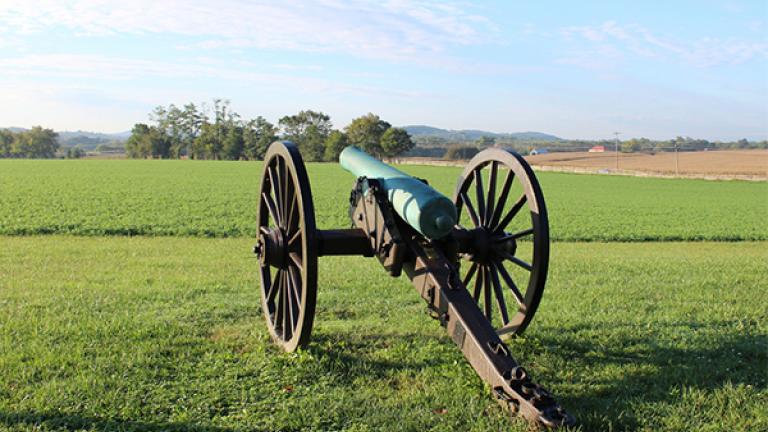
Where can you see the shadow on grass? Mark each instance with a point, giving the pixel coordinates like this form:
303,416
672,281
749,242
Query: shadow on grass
658,371
595,395
68,421
649,369
352,357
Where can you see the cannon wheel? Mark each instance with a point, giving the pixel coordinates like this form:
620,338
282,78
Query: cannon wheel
287,247
508,301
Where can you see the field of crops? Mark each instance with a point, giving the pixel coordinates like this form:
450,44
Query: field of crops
162,330
219,199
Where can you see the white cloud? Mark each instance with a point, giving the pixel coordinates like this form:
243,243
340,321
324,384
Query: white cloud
104,68
389,30
609,43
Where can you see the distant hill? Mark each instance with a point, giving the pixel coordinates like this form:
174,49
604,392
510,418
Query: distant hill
119,136
472,135
85,139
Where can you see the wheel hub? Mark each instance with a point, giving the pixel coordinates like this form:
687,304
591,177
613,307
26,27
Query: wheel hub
272,248
481,242
487,246
502,245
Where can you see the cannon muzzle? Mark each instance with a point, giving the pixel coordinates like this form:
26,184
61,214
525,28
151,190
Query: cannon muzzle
423,208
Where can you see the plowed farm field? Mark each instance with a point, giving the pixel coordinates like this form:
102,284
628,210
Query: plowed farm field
723,163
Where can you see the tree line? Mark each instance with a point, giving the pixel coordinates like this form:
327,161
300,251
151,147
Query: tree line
440,147
38,143
220,133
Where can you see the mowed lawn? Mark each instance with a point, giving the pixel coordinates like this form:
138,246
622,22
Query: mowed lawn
165,333
219,199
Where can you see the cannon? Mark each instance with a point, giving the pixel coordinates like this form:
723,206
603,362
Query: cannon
479,260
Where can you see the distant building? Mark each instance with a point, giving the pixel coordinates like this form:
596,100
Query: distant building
597,149
535,152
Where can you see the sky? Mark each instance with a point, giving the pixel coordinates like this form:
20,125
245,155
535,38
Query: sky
655,69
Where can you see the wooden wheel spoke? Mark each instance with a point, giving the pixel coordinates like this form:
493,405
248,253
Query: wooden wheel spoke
516,235
517,261
286,192
296,258
292,304
522,233
511,214
470,209
293,218
272,290
487,290
287,326
510,283
480,194
279,306
491,193
292,241
295,287
470,274
271,207
295,275
502,201
283,306
478,285
521,263
499,296
274,183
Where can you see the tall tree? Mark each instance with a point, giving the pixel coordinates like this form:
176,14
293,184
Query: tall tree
365,132
147,142
308,130
232,148
160,143
208,143
258,134
174,128
139,144
395,141
191,121
334,144
313,144
6,142
35,143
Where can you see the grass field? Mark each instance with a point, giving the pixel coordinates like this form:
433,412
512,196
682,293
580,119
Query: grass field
163,331
191,198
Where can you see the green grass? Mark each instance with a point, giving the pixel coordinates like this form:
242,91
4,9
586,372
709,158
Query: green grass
194,198
139,333
118,333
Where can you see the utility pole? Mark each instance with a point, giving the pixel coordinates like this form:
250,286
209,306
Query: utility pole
677,161
616,134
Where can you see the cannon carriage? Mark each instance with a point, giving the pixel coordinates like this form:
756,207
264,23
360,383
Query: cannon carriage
479,261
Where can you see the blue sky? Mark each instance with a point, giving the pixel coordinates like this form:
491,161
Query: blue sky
573,69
